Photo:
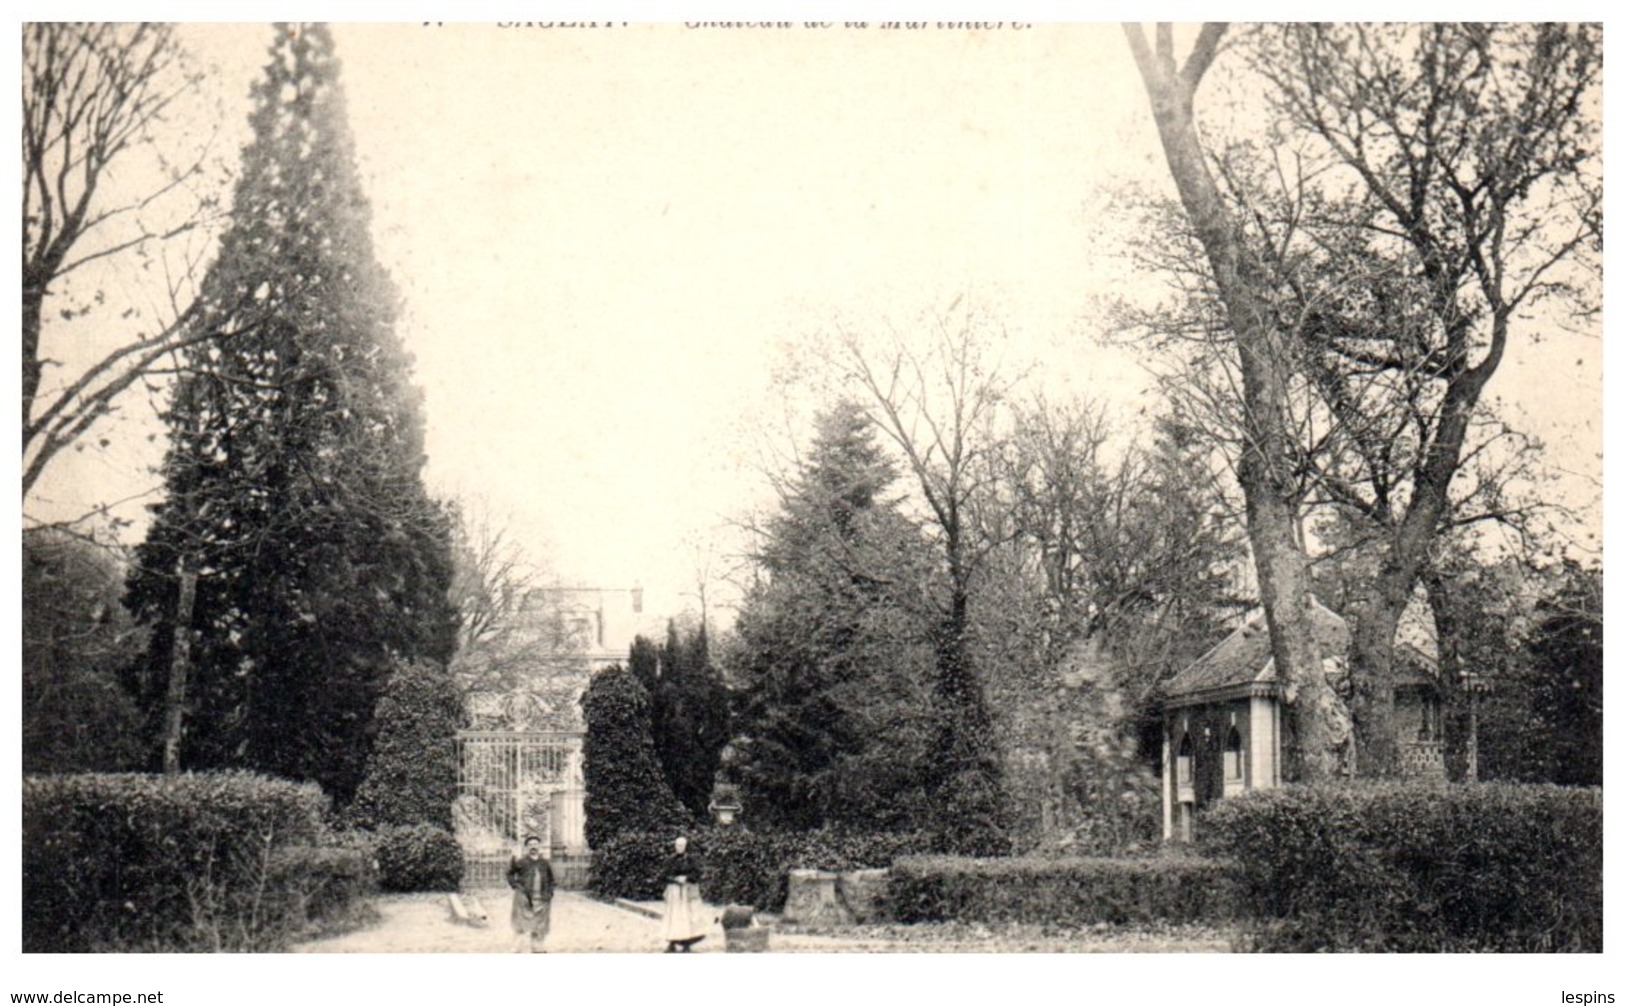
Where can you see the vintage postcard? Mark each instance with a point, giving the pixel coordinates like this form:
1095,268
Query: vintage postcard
814,488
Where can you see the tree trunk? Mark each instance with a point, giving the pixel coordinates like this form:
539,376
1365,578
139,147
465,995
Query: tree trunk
180,659
1377,612
33,307
1455,721
1316,724
1266,471
1371,671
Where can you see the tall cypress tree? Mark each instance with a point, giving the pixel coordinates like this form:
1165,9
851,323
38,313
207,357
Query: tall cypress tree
691,721
688,711
294,497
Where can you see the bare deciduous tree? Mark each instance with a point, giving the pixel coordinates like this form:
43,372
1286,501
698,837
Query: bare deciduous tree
1267,469
1431,192
492,578
939,405
99,187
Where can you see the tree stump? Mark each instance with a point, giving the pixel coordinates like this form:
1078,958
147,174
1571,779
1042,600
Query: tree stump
813,900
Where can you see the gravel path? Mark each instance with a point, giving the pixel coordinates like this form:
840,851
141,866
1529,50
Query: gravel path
423,923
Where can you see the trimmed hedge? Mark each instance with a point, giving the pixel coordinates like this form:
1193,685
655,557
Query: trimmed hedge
630,866
411,774
739,866
626,791
418,857
190,862
1408,866
1064,892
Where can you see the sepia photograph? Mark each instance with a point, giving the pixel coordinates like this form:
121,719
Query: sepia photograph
835,491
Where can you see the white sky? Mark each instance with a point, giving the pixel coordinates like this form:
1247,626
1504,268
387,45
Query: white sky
602,235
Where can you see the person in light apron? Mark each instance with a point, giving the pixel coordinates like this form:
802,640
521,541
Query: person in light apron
681,927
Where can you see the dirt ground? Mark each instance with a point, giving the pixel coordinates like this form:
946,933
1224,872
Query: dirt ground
423,923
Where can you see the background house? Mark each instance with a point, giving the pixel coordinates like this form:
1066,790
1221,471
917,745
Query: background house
519,761
532,675
1222,718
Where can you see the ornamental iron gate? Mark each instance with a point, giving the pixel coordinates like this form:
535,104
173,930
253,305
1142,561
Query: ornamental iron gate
512,784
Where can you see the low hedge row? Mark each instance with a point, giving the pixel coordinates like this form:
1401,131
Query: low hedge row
1060,891
208,861
739,866
1416,866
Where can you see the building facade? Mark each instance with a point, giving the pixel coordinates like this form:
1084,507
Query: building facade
1223,724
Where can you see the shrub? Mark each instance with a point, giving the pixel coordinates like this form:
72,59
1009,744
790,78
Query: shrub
739,866
1417,866
630,866
970,814
753,868
132,862
626,791
76,635
418,857
323,885
1071,891
411,776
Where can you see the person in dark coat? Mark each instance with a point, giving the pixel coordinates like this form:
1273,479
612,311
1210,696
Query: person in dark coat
531,878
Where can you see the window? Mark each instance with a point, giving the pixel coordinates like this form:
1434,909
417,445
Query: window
1182,764
581,631
1232,755
1425,733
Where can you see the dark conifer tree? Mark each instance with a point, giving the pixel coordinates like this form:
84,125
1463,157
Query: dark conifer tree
692,717
688,711
1541,721
294,494
834,713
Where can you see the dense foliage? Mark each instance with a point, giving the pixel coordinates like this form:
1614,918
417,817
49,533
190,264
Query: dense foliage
626,791
1115,572
1060,891
417,857
1416,867
293,490
688,711
1542,720
835,718
412,774
76,637
192,862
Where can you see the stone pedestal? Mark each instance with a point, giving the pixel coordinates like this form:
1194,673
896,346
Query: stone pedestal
569,822
750,940
863,893
813,900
